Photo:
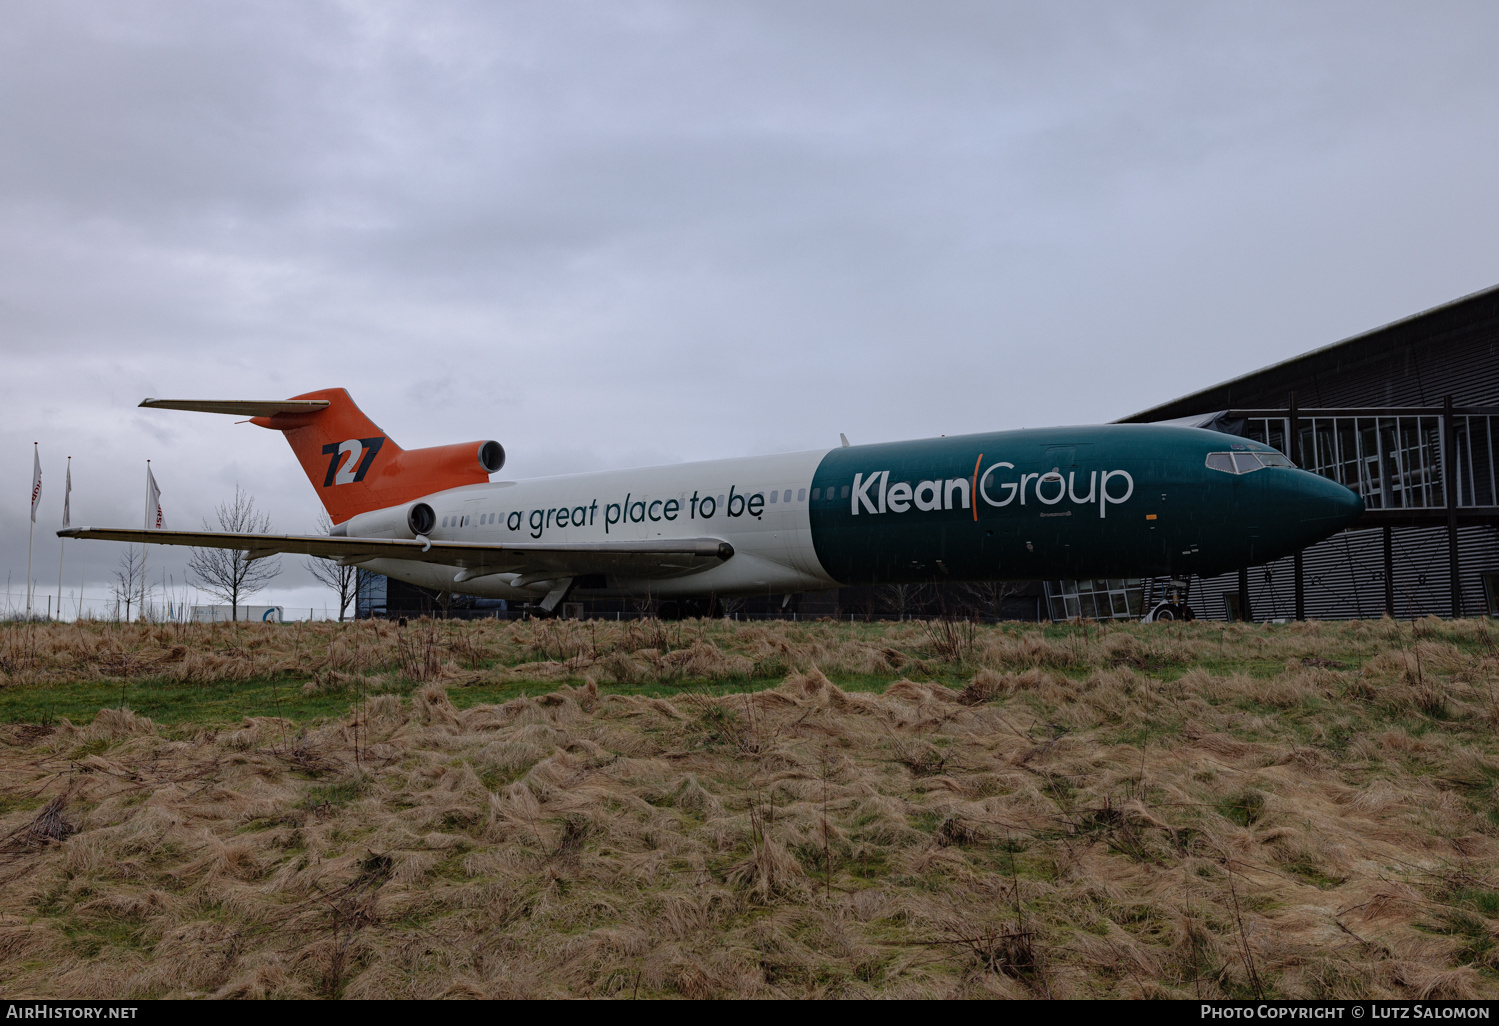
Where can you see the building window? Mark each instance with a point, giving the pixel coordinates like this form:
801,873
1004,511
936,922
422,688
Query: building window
1231,606
1491,592
369,594
1111,599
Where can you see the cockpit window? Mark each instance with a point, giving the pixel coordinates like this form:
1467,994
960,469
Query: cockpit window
1245,462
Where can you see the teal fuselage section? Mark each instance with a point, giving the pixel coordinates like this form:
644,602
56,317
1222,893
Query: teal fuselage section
1099,501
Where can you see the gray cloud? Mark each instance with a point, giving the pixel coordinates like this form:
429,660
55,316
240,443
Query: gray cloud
641,232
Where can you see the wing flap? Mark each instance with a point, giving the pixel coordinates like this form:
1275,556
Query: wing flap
663,558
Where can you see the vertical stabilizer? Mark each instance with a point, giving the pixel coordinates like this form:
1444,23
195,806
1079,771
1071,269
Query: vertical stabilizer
351,463
355,467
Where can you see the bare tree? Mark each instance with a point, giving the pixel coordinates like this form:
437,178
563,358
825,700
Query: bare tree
129,579
903,599
340,579
986,597
229,573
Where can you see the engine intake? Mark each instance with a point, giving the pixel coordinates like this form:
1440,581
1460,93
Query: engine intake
491,456
421,518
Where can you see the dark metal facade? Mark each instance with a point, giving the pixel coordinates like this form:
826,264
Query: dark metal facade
1343,578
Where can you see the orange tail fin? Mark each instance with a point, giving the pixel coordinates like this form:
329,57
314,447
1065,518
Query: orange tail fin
356,468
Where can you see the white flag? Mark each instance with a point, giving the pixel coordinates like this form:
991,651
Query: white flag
36,480
67,493
154,521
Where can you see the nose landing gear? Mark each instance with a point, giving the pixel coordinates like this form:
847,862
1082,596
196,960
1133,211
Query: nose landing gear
1172,605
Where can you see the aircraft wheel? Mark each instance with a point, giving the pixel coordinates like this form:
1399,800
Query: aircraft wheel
1162,613
1187,613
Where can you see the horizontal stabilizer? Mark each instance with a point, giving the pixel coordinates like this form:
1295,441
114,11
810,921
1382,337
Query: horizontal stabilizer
239,407
654,559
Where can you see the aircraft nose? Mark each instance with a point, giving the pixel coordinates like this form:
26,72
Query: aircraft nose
1328,504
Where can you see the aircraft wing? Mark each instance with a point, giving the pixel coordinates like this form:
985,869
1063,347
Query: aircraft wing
534,561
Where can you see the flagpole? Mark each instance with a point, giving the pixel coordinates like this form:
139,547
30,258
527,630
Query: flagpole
62,542
143,544
29,538
36,462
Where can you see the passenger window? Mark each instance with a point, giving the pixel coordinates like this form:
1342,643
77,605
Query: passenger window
1246,462
846,490
1221,461
774,495
816,494
801,495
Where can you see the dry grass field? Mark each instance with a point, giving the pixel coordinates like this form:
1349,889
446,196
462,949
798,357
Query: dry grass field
762,810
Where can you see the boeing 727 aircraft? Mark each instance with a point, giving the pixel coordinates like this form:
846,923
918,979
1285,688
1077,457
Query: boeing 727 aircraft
1131,500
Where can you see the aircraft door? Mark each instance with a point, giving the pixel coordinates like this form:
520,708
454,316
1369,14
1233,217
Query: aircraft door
1066,466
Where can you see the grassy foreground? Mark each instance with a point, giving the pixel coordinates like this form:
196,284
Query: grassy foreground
718,809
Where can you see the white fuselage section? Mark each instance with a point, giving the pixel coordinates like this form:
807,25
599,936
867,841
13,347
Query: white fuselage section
756,504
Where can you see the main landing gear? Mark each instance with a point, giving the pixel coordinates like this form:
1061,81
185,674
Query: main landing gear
1172,605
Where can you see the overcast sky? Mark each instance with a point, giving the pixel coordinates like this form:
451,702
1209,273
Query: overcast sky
619,233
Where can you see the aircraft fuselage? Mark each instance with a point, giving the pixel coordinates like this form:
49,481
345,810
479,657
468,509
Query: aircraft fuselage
1078,502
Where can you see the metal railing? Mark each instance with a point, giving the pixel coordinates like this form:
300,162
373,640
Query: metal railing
1396,458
